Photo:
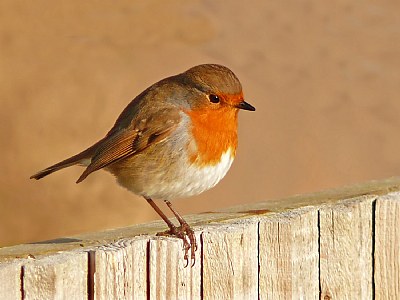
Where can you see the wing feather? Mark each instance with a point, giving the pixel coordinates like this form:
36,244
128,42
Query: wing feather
132,140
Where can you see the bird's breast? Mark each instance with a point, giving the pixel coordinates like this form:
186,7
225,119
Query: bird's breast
213,135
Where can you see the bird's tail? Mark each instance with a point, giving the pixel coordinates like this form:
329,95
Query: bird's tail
82,158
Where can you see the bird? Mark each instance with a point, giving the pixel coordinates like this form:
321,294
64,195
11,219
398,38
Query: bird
176,139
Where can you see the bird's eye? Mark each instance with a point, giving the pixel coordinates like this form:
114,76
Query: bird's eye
213,98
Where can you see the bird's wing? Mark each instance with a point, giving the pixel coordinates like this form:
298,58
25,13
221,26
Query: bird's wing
142,133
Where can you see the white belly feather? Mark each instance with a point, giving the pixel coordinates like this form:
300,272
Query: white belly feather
198,180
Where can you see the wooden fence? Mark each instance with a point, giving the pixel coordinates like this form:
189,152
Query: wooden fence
338,244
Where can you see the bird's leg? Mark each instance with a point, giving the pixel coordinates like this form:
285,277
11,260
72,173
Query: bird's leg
187,230
160,213
180,232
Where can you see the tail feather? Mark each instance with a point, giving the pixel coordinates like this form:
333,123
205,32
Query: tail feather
77,159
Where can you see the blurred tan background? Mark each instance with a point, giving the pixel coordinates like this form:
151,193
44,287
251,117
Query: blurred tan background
324,77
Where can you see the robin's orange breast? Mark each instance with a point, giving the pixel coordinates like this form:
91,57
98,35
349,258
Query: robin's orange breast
214,133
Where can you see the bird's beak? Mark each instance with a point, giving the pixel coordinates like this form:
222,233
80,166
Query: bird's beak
246,106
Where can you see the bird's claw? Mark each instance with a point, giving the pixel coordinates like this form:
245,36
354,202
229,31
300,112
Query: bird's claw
186,234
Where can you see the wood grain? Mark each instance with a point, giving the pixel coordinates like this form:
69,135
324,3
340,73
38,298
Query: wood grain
289,255
10,280
230,261
62,276
346,249
387,247
168,276
120,270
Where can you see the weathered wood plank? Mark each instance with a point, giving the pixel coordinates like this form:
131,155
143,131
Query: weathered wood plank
289,255
62,276
230,261
378,187
120,270
168,276
346,249
10,280
387,247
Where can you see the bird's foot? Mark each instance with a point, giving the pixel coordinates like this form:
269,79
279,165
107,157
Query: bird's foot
186,234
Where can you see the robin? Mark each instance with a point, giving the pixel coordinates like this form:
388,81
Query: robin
176,139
